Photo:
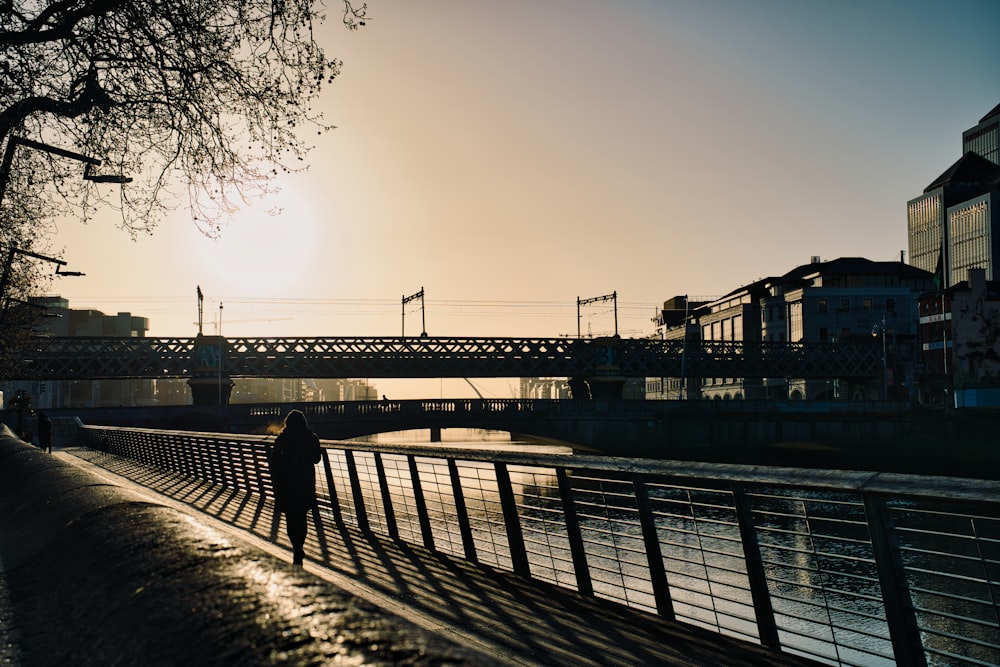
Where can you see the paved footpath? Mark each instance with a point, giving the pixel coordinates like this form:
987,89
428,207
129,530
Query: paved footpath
510,619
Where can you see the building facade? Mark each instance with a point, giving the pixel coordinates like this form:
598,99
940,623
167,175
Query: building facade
960,344
674,322
984,138
973,230
953,226
60,320
849,299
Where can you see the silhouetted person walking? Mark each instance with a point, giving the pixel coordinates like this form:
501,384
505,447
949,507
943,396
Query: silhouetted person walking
296,450
45,432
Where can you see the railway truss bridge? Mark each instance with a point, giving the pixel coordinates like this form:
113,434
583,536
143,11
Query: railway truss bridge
596,367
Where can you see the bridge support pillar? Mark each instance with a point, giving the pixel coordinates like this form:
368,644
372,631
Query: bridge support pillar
209,384
605,388
578,388
435,434
210,390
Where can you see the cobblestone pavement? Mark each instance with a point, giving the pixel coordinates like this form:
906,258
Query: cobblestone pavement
510,619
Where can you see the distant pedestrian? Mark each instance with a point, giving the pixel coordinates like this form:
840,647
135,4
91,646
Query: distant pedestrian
292,459
45,432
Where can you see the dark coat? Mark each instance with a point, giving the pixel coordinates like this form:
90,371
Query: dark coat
292,459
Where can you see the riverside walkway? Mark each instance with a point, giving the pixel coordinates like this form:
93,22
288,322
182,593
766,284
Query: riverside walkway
360,599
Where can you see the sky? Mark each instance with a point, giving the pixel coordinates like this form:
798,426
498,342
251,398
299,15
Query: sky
509,158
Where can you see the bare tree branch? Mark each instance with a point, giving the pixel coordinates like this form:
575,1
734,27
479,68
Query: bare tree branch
200,101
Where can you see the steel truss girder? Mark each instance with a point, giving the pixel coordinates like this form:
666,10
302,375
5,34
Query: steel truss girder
426,357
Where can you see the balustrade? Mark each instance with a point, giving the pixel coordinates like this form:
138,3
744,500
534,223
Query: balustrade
847,568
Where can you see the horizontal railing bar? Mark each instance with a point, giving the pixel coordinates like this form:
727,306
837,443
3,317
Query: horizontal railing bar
943,575
962,638
959,659
706,550
767,530
895,485
956,617
834,522
812,553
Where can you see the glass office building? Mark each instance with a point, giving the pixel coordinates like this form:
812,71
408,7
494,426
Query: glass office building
950,226
970,177
973,243
925,221
984,138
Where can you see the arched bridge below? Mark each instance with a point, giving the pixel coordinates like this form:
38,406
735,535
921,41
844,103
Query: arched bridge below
854,433
444,357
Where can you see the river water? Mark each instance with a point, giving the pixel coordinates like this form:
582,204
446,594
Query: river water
467,438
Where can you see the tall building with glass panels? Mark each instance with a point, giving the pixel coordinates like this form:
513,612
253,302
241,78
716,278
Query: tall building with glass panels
928,225
954,225
984,139
925,220
974,238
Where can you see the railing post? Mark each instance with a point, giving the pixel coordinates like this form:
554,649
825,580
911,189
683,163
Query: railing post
767,628
462,512
383,485
654,557
583,583
906,645
359,499
331,488
222,469
511,521
421,502
260,462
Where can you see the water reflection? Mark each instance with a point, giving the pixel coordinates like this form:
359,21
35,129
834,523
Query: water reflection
468,438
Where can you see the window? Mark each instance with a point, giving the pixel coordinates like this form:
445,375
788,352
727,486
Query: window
867,304
890,306
822,305
845,305
824,335
795,326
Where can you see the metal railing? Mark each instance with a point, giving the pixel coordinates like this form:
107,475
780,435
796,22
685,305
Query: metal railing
847,568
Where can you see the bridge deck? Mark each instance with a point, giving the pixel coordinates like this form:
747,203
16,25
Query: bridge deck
515,621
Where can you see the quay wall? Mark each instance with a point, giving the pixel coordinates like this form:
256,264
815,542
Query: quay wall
877,436
93,573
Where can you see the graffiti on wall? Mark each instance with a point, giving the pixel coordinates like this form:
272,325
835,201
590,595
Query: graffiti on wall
976,327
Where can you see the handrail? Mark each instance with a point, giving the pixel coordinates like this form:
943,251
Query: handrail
847,568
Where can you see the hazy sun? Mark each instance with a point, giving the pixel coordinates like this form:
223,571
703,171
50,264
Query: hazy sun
266,251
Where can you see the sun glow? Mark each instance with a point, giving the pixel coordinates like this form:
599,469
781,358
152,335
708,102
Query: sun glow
265,251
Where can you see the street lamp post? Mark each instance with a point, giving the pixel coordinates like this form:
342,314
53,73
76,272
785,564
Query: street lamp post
89,162
8,263
885,367
5,167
